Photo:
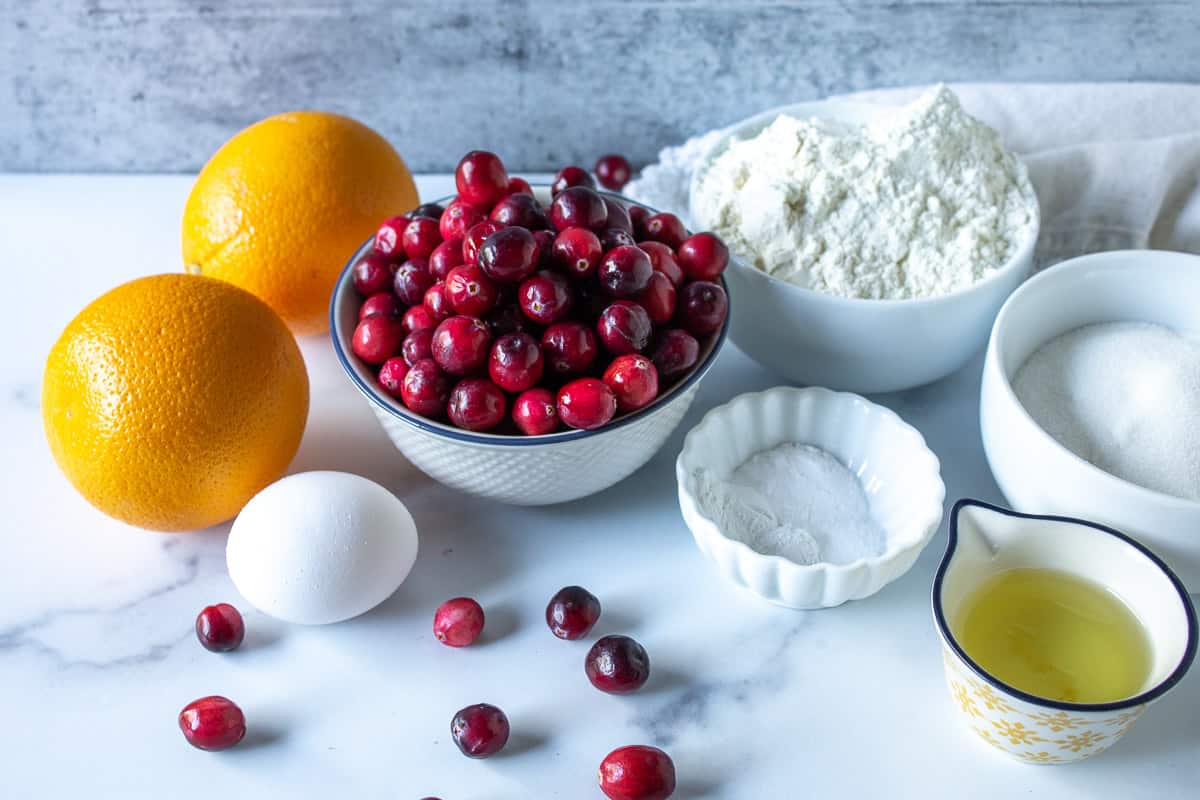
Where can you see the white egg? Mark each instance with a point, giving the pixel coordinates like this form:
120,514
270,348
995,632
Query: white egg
321,547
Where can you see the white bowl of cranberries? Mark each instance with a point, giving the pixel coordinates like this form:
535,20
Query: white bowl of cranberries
530,345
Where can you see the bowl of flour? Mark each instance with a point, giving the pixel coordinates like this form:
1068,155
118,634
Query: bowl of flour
872,247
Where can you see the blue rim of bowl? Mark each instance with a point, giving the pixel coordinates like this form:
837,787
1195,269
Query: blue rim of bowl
1158,690
512,440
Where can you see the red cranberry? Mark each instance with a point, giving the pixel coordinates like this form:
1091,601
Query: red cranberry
618,215
662,258
426,389
624,327
458,218
634,380
417,318
666,228
371,274
578,206
637,772
586,403
508,318
417,346
391,374
615,237
388,236
617,665
570,176
377,338
613,172
458,622
702,307
703,256
535,413
572,612
638,216
625,270
569,347
445,257
675,353
477,404
521,210
384,303
481,178
509,255
220,628
516,362
460,345
545,297
480,730
544,239
421,237
519,186
212,723
437,303
431,210
658,298
412,281
475,238
578,252
471,292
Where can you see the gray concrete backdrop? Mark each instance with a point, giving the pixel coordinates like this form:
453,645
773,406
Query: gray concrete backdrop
157,85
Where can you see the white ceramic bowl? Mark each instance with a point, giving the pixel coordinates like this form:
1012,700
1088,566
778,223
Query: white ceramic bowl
1036,473
900,475
810,337
521,470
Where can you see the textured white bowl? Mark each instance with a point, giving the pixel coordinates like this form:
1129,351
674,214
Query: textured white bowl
869,346
898,472
1036,473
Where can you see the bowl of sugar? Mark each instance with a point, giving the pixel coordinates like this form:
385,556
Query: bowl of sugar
1090,403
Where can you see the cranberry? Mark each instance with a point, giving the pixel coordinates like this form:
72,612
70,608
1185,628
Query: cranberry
702,307
421,237
618,215
578,206
426,389
220,628
508,318
586,403
371,274
624,327
569,347
617,665
509,255
475,238
662,258
384,303
703,256
480,730
637,772
212,723
391,374
675,353
471,292
613,171
377,338
417,318
477,404
458,622
666,228
458,218
417,346
658,298
388,236
481,178
570,176
625,270
638,216
615,237
412,281
519,186
545,297
431,210
445,257
578,252
572,612
535,413
437,303
544,239
634,380
516,362
521,210
460,345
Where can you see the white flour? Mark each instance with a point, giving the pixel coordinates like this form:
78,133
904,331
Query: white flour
664,185
923,201
795,501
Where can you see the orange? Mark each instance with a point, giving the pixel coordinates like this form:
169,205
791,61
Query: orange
284,204
171,400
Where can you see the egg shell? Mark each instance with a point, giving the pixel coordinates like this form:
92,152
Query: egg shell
321,547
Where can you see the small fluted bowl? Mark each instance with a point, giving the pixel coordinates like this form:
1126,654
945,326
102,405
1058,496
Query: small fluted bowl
899,474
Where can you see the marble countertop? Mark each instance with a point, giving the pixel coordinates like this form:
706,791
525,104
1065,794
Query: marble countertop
97,653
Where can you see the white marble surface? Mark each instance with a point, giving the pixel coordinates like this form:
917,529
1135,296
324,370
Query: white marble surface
97,654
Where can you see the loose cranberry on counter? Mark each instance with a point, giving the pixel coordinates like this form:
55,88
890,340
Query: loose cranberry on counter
371,274
637,772
617,665
662,258
569,347
624,327
509,255
470,291
458,218
666,228
519,209
578,206
388,236
477,404
412,281
476,235
417,318
426,389
460,345
212,723
570,176
519,186
701,307
377,338
391,375
384,303
480,730
545,297
431,210
624,271
577,251
220,628
572,612
634,380
613,171
535,413
615,237
675,352
703,256
481,178
586,403
445,257
516,362
437,303
416,346
658,298
421,236
458,622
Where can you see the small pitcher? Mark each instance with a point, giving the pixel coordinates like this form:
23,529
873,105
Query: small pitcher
986,540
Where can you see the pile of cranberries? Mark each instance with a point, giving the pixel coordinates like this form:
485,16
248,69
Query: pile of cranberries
503,315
